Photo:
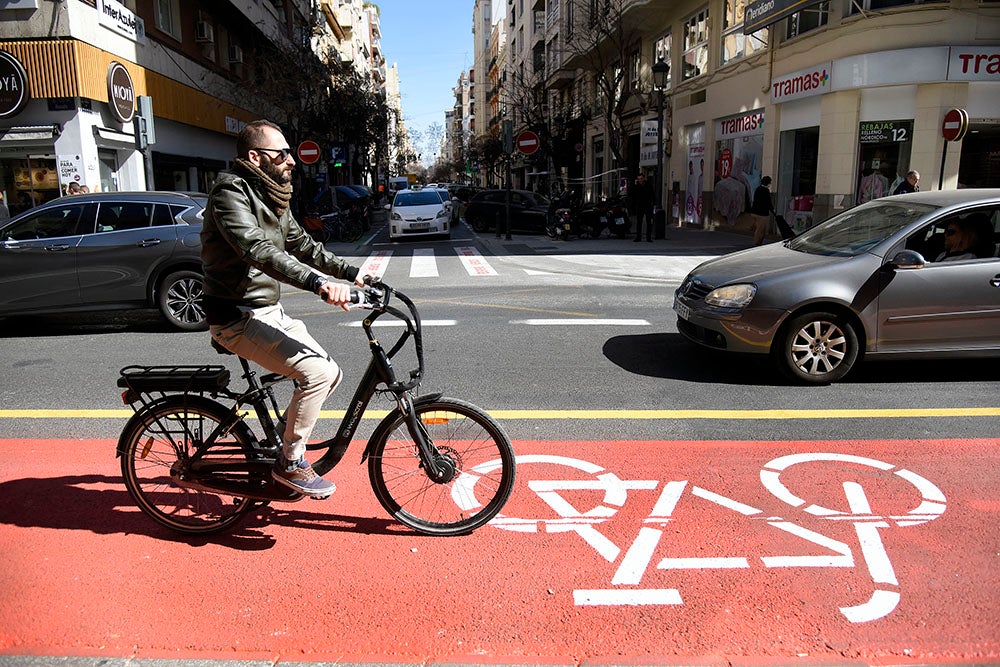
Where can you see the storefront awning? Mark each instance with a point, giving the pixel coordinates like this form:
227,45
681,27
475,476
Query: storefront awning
30,134
106,134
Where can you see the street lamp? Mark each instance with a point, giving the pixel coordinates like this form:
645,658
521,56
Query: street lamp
661,70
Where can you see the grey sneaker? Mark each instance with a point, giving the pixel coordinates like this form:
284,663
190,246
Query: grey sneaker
300,476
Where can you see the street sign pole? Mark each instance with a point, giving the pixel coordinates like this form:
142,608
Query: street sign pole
508,149
954,127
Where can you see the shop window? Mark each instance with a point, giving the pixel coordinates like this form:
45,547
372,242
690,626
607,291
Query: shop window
695,55
661,50
808,19
861,6
735,44
168,17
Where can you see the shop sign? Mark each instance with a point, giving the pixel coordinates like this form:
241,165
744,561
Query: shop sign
762,13
121,93
804,83
70,169
885,131
13,85
740,126
118,18
970,63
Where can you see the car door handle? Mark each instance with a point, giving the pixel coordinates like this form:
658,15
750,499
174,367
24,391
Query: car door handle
145,243
57,248
995,281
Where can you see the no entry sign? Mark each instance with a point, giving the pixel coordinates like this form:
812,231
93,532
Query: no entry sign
955,125
308,152
527,142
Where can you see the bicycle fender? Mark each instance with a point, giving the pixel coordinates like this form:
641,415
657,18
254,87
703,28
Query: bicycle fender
394,415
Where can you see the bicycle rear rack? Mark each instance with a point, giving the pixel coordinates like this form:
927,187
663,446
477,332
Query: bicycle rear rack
145,384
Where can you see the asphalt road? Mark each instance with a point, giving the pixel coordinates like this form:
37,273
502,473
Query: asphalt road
658,518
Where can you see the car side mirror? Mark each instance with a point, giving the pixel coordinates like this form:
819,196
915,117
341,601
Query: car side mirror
388,207
908,259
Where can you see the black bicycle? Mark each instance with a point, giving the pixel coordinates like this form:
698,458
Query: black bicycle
192,461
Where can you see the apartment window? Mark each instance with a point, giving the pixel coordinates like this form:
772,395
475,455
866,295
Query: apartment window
634,63
695,55
661,49
874,5
569,21
735,44
168,17
808,19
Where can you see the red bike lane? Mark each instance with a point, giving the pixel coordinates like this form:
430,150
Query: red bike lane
875,552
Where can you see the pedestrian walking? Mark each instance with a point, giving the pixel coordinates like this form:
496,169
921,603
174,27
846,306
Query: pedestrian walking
908,184
761,210
642,206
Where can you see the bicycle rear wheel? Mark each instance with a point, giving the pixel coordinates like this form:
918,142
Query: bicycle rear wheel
473,445
158,447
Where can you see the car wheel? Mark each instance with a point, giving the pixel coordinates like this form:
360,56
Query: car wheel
179,299
816,348
478,223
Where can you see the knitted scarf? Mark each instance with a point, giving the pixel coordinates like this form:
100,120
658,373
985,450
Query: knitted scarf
276,196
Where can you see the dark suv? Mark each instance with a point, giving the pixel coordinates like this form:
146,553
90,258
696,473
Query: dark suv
106,251
528,210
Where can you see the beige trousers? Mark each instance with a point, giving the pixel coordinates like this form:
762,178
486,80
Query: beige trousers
280,344
760,223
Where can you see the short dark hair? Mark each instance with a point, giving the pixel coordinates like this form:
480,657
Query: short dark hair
251,136
766,180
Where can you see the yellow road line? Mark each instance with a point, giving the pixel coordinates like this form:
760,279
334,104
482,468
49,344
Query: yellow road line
874,413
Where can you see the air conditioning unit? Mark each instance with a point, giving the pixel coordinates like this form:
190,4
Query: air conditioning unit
204,32
235,54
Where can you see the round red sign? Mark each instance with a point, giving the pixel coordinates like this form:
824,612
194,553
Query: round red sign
527,142
955,125
308,152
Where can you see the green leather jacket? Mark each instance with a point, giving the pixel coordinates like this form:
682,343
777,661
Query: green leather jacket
247,251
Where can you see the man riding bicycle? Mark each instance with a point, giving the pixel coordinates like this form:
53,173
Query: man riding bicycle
250,245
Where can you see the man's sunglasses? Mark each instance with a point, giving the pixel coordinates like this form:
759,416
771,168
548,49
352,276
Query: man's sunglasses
283,153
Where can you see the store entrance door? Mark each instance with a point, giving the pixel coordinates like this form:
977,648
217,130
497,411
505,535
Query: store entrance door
109,169
980,165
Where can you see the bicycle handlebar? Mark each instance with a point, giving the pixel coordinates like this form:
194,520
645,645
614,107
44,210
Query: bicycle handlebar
376,297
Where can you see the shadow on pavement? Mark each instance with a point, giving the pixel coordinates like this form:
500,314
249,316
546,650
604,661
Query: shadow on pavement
85,324
670,355
109,510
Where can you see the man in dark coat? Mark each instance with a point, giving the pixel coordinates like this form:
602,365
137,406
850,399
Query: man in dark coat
642,206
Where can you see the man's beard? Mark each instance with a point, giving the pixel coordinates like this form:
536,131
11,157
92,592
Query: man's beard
275,172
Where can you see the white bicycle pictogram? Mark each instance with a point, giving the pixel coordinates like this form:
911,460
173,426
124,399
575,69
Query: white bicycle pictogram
640,554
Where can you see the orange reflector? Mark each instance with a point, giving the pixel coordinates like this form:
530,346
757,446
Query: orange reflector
146,448
432,421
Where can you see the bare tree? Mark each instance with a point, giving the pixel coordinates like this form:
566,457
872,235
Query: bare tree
605,41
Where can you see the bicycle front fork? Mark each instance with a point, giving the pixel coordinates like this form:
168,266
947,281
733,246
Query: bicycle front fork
440,468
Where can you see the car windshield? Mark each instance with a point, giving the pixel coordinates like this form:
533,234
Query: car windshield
858,230
418,198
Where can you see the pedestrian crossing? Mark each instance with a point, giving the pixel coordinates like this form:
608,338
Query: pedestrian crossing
426,263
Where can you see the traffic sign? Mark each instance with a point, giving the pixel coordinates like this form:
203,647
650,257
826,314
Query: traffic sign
955,125
527,142
308,152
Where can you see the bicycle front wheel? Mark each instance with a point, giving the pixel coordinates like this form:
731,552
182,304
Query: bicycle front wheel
160,449
472,446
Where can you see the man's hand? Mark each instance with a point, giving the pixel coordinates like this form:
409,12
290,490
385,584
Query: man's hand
337,294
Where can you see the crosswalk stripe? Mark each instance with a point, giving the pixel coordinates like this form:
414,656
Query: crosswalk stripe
474,262
376,263
424,264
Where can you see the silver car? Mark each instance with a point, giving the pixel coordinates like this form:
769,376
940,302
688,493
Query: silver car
104,251
882,279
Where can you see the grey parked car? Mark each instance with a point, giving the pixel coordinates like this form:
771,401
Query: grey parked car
874,280
105,251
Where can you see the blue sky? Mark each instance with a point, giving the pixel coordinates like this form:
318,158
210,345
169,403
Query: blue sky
431,42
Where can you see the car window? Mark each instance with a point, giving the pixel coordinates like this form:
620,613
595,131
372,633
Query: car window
417,198
53,222
979,231
858,230
119,216
162,216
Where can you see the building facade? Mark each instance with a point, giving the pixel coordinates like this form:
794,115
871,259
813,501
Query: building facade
809,98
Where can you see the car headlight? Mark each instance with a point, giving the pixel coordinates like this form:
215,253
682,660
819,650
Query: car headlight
396,216
443,213
731,296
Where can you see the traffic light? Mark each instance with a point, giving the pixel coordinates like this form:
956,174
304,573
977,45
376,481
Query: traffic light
338,154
